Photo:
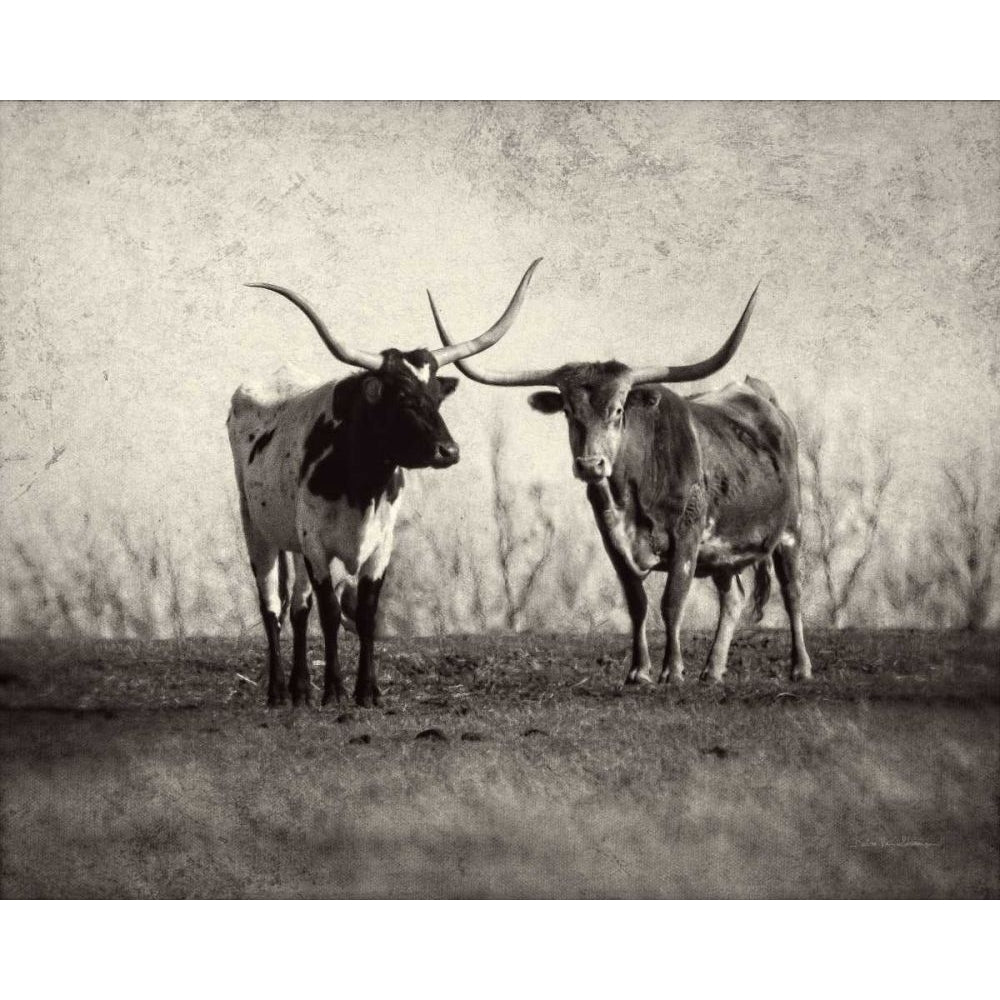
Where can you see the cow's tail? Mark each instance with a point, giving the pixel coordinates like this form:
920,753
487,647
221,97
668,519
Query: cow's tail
349,606
761,587
285,573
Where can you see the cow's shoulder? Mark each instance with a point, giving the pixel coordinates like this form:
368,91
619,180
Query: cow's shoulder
273,390
752,403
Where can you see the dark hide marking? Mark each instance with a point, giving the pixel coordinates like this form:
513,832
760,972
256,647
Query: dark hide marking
361,482
262,442
320,438
358,458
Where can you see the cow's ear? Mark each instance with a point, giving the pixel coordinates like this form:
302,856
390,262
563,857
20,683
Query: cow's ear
447,385
546,402
345,395
643,397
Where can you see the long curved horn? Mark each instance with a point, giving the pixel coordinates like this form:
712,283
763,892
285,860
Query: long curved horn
691,373
349,355
453,353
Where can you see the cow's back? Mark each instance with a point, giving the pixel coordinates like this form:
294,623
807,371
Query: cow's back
749,458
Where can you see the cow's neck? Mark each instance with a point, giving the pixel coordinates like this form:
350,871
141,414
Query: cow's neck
371,475
354,468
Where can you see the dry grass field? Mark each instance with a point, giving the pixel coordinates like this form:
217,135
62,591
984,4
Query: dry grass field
504,767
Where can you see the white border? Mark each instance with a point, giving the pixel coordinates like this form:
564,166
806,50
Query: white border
515,50
499,949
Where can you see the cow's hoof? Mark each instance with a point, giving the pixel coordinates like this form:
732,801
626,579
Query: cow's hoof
300,698
710,677
639,677
276,698
802,672
333,696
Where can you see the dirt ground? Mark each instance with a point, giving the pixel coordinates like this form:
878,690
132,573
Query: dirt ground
504,767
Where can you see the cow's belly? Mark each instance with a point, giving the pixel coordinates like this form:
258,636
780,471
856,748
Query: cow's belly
721,550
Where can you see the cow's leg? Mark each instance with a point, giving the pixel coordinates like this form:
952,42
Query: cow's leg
268,568
366,692
675,593
301,605
635,593
266,572
324,586
786,569
731,598
637,603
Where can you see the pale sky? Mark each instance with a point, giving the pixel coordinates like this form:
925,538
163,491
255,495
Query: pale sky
127,232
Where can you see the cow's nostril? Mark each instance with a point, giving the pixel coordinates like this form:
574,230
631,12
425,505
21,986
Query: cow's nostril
590,469
447,454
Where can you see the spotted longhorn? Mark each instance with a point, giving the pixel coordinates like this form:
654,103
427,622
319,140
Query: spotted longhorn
320,473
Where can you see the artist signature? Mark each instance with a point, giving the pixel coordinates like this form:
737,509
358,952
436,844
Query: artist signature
890,844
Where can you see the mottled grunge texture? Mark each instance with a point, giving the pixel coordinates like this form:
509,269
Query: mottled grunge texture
128,230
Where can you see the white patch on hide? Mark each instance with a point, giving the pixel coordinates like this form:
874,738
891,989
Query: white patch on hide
422,373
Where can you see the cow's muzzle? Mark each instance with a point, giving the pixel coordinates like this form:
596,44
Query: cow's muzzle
445,454
591,469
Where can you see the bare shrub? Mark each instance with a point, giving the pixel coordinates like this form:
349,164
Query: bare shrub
968,540
845,481
524,534
952,573
106,574
473,571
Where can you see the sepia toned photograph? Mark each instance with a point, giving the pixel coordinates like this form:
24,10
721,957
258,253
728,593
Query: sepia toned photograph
500,500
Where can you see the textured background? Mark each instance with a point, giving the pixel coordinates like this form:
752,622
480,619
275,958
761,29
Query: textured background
128,231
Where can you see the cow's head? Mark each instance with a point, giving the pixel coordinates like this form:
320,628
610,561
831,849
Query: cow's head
599,398
397,409
398,398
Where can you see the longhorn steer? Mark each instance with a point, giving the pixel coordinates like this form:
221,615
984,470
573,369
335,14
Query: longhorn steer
699,486
319,473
